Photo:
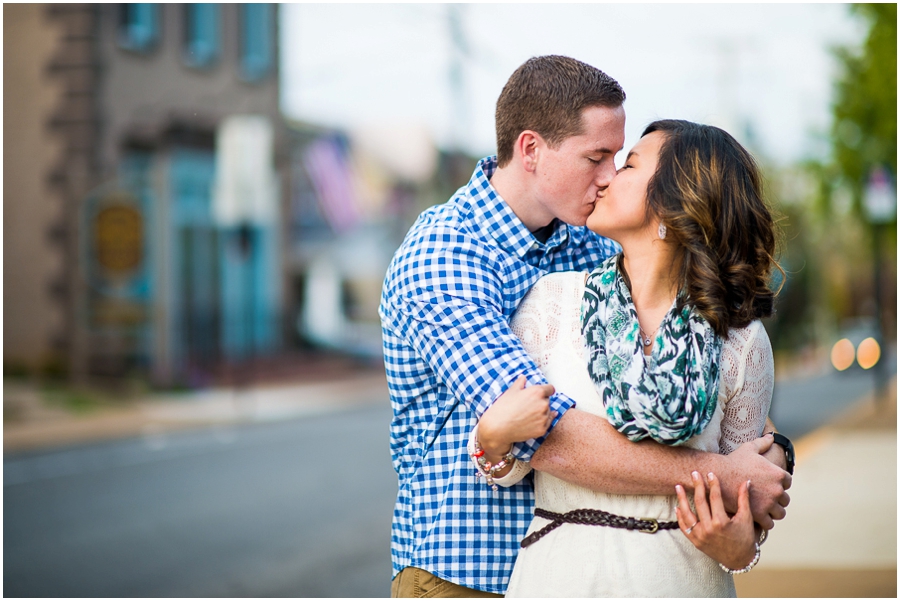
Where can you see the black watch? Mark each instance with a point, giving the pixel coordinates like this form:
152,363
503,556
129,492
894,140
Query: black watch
785,442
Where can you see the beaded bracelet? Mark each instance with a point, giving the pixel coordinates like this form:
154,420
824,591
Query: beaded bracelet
743,570
486,469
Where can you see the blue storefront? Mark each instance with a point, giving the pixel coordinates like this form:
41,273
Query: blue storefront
204,290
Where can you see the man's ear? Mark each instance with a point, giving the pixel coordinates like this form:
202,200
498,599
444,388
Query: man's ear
527,148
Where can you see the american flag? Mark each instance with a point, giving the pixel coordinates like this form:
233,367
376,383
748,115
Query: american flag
332,177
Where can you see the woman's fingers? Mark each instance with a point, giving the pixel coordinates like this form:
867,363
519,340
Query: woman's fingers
743,512
700,503
686,517
716,505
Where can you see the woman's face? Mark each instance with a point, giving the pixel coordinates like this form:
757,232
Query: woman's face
621,209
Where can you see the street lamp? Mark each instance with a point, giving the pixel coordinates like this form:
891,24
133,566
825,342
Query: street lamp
880,204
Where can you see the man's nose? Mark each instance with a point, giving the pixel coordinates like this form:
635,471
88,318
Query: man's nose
605,174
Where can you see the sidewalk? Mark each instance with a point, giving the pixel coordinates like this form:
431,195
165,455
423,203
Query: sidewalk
840,535
40,427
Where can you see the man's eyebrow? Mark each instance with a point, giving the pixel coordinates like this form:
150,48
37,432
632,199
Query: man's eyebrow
605,151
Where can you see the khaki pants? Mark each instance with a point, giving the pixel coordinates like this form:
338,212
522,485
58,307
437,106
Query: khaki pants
419,584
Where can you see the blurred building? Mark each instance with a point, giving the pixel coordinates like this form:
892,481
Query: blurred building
353,196
143,155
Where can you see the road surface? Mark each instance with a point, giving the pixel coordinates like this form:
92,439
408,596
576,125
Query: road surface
299,508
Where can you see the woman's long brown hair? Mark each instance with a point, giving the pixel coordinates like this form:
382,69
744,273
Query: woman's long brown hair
707,190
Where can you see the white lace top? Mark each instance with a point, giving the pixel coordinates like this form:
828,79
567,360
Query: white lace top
589,561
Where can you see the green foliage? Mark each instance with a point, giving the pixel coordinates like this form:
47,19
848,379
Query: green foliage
864,131
830,254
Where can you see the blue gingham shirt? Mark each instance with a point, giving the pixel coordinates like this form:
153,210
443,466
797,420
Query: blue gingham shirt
449,294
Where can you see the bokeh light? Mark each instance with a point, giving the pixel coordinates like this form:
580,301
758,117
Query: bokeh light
842,354
868,353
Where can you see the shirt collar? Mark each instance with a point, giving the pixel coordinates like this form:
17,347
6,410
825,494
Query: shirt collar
496,219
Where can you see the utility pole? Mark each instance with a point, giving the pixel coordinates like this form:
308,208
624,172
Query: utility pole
731,113
726,83
459,52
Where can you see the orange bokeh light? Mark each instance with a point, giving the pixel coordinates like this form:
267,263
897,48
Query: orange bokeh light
868,353
842,354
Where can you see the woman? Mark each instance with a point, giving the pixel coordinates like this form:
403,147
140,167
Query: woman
665,340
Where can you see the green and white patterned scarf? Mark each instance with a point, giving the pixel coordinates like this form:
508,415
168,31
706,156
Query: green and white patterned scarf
671,398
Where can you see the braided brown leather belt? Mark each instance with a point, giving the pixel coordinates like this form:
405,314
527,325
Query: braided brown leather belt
594,517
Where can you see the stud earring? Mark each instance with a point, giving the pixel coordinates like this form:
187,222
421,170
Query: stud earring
662,231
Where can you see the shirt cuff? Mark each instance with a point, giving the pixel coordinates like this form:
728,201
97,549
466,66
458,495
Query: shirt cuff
559,403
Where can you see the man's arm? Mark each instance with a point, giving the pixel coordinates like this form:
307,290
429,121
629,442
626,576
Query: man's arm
445,303
585,450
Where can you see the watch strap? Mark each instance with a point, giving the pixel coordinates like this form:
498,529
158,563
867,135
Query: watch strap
785,442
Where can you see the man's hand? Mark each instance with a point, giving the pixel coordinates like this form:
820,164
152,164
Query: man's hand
768,498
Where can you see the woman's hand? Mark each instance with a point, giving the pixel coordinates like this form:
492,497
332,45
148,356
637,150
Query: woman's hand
519,414
728,540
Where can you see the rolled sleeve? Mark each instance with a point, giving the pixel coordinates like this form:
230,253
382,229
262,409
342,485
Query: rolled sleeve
473,352
448,306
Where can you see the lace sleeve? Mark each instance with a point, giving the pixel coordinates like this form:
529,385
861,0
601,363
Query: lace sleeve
537,321
748,375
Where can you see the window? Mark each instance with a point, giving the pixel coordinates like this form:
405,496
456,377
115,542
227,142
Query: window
139,26
256,40
202,43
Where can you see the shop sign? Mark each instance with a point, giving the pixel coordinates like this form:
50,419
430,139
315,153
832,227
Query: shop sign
119,238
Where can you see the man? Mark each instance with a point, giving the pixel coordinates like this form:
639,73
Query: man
449,353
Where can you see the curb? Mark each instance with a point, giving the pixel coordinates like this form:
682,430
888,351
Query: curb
216,407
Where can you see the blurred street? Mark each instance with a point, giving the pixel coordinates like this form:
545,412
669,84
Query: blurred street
840,536
811,399
288,491
296,507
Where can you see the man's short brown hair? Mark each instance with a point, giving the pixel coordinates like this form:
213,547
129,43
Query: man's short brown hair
546,95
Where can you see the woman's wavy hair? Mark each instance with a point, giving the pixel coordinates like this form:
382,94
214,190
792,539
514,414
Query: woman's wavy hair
707,190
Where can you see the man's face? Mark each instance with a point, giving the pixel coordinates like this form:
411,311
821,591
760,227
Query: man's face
570,177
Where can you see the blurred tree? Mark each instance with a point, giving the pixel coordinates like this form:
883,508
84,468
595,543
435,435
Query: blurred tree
830,248
864,139
864,131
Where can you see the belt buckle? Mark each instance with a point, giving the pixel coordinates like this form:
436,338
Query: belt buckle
653,528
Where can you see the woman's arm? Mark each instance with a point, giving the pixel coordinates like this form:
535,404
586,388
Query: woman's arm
508,476
748,376
748,354
519,414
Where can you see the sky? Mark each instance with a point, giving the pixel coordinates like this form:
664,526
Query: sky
763,72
